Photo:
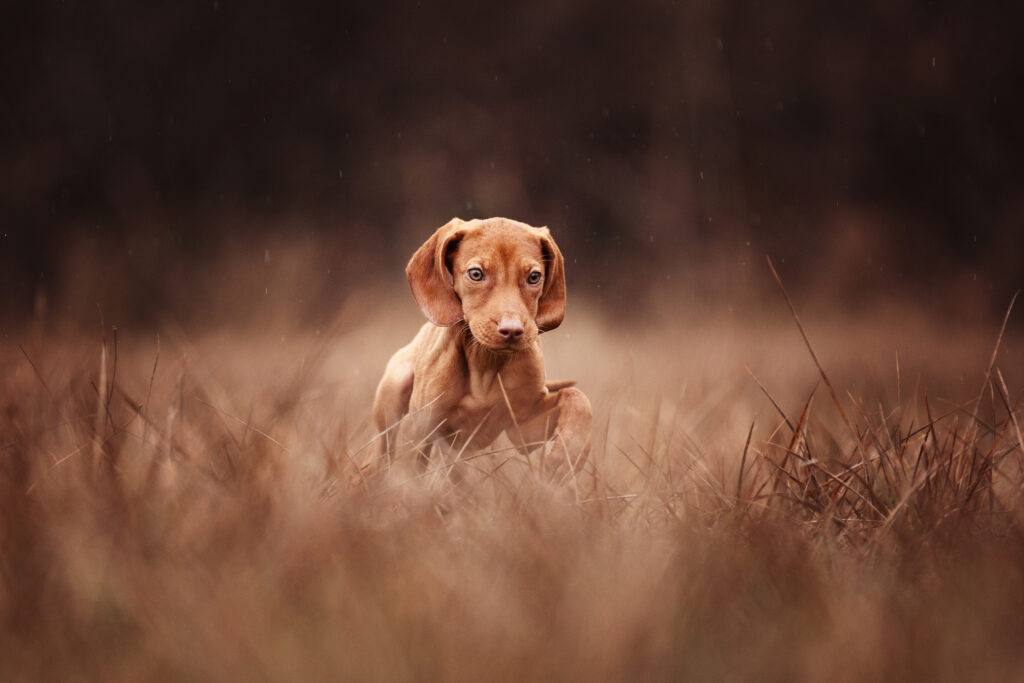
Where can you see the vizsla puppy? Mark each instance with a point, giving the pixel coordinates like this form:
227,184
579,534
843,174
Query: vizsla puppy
488,288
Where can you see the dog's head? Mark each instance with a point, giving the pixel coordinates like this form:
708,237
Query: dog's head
504,278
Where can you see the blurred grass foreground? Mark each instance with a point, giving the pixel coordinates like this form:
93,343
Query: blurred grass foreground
175,506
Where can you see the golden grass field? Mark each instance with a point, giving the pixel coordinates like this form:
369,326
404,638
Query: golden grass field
175,505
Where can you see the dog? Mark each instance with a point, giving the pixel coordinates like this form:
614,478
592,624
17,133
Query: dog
488,288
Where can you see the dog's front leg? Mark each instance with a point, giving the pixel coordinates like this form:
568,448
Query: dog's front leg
562,426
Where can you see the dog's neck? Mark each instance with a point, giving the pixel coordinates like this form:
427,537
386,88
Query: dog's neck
484,366
480,358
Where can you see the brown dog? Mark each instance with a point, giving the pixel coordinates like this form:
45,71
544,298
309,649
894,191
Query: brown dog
489,288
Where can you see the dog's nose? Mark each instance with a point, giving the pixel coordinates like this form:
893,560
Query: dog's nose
510,330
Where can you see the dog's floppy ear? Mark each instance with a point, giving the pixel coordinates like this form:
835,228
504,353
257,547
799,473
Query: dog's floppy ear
551,307
429,278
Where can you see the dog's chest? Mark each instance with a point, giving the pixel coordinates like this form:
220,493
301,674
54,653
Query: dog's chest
484,408
484,398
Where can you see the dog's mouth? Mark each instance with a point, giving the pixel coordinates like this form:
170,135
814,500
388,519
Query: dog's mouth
509,347
502,346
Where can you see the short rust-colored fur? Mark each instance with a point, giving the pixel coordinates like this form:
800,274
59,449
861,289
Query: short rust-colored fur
489,288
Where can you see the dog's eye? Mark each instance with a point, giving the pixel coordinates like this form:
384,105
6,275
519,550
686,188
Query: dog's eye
475,274
534,277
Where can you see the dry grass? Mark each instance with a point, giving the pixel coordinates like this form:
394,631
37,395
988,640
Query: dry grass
180,511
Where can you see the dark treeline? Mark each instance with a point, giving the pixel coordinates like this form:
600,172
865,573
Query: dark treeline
883,133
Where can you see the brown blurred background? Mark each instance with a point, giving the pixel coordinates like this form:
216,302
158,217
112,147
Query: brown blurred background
166,158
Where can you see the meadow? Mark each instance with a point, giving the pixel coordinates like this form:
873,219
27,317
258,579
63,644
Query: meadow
175,504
